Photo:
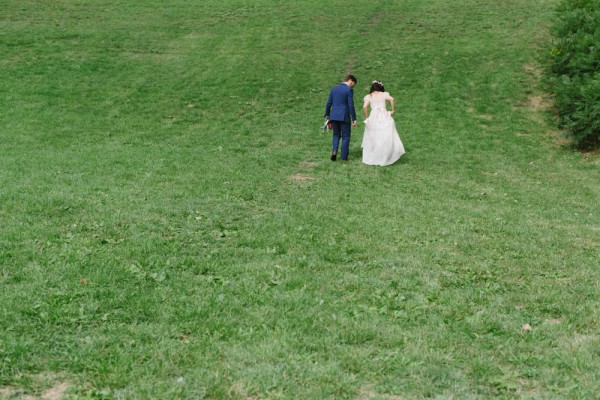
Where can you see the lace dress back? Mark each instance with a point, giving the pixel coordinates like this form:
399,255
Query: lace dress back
381,143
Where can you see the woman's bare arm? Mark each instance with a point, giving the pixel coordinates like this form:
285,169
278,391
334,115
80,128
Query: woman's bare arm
392,102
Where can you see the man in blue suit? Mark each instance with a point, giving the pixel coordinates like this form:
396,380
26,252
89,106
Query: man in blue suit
340,113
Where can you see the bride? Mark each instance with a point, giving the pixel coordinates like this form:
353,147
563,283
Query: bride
381,143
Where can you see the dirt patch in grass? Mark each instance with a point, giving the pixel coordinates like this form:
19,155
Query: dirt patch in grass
306,165
367,393
533,70
538,103
57,392
375,19
54,393
591,156
299,177
536,106
350,63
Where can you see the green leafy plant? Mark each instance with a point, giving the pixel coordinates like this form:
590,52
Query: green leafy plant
575,70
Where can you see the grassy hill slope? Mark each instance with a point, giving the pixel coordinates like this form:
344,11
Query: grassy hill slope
172,227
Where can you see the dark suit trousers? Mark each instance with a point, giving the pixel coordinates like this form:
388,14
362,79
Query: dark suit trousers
341,130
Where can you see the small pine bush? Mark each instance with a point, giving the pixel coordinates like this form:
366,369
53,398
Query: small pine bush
575,70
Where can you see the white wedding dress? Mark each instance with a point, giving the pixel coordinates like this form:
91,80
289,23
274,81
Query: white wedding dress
381,144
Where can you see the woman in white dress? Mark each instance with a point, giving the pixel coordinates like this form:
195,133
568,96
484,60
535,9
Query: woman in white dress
381,143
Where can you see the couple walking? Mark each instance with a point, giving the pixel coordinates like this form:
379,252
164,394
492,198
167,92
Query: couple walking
381,144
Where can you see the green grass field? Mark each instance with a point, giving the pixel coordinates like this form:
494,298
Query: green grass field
171,226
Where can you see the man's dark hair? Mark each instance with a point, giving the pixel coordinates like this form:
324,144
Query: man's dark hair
350,78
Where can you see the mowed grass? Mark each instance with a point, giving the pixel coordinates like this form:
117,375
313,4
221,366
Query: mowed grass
171,226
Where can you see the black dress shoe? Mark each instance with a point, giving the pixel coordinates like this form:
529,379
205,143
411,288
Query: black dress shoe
333,157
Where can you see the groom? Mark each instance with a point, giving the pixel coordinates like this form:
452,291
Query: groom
340,113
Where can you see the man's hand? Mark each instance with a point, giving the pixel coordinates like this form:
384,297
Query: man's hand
354,124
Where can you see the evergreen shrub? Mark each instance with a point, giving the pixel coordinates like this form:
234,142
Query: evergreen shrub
575,70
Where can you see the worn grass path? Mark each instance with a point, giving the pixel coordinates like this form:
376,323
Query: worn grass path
171,226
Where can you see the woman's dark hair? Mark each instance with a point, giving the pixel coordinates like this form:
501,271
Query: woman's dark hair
377,86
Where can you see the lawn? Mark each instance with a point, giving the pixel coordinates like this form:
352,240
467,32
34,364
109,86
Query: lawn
171,226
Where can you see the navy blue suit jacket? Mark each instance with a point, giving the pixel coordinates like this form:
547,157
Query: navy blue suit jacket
340,104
